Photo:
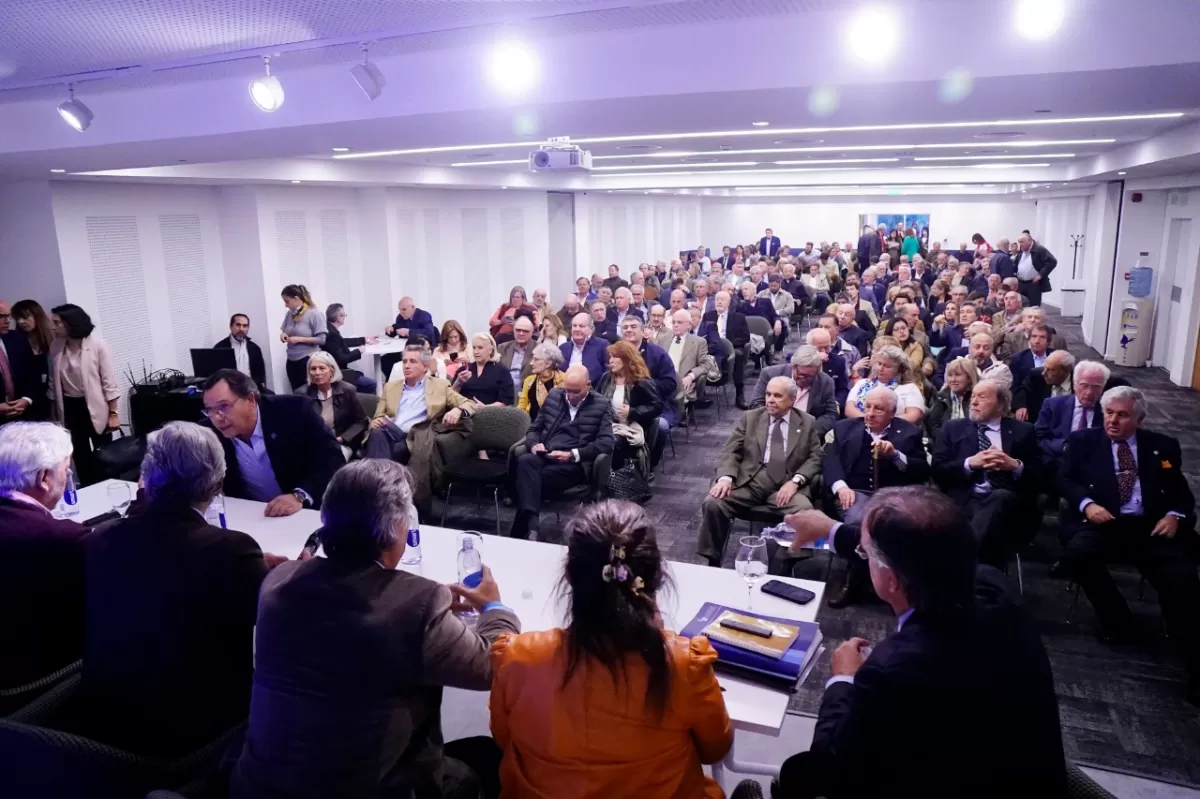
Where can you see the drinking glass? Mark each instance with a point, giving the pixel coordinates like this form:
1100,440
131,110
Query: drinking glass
751,563
119,496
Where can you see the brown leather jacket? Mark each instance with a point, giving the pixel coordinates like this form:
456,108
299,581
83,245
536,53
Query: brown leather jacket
593,739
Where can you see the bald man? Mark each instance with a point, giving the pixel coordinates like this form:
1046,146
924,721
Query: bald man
584,348
573,428
412,321
1034,265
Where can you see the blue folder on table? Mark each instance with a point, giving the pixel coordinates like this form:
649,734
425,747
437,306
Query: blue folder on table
784,671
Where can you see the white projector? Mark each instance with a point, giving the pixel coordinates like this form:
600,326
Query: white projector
558,155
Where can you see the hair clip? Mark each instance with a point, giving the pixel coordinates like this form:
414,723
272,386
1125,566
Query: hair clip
638,585
608,573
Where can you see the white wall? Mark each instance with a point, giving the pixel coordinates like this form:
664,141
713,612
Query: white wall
627,229
1180,354
734,220
1101,238
30,267
1141,232
560,219
1057,220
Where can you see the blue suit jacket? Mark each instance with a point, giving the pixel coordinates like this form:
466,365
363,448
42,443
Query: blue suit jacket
662,371
421,324
25,374
1021,365
768,246
593,356
1054,424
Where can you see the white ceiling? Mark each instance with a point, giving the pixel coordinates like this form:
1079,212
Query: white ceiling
167,80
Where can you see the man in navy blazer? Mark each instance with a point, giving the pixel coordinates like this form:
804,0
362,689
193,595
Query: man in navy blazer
1025,361
622,306
1001,262
997,485
584,348
412,321
1052,379
768,245
965,675
731,325
1127,498
1062,415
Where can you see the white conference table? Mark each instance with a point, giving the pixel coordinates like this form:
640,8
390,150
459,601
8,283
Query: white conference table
528,573
373,353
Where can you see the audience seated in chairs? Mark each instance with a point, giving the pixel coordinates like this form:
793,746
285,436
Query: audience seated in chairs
815,388
636,405
514,356
966,674
752,305
768,462
990,465
862,456
988,366
336,402
1128,500
277,449
849,331
891,368
451,352
953,400
584,348
784,305
572,306
502,320
817,285
545,367
912,346
171,602
604,327
689,355
353,655
622,307
553,330
1051,379
731,325
648,698
339,347
1033,355
41,557
484,380
662,372
656,322
833,364
1063,414
572,429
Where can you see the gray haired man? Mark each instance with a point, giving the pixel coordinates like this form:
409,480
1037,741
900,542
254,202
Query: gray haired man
815,389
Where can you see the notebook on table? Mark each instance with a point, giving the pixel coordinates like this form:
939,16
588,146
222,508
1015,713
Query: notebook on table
782,659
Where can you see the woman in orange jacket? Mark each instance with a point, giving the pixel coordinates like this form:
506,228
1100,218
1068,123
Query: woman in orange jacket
613,705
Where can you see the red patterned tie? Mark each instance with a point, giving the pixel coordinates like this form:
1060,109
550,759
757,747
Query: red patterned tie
1126,472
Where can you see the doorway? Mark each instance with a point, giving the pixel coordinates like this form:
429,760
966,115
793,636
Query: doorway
1168,295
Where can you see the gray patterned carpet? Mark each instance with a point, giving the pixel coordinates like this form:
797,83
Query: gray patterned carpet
1121,709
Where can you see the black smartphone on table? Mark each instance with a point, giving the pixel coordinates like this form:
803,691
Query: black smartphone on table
792,593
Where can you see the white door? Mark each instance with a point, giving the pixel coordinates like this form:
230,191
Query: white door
1168,294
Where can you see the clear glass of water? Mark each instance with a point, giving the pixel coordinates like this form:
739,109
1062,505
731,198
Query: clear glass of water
119,496
751,563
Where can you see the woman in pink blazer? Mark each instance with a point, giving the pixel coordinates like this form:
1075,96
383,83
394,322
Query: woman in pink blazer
83,386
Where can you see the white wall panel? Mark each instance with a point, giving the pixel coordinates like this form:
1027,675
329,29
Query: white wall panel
187,282
627,229
30,267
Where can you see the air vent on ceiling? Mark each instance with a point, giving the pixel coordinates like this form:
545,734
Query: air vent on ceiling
1000,134
641,148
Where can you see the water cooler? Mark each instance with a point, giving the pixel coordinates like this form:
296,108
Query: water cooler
1130,338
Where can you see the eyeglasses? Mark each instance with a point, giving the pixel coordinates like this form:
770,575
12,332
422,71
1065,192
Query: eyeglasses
223,410
861,551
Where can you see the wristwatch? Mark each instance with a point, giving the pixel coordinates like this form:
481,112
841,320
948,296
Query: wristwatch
800,480
300,495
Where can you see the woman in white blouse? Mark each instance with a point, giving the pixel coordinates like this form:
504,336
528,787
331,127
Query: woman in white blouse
891,368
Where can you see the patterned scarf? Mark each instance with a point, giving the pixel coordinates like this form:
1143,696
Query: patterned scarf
299,314
872,383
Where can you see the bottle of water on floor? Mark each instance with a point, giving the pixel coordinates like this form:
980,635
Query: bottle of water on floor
412,548
69,507
784,535
470,564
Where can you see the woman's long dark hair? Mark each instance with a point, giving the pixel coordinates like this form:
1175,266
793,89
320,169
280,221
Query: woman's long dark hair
608,620
42,332
75,320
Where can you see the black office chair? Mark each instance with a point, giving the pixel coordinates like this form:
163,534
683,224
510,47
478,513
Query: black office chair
759,326
18,697
726,377
494,430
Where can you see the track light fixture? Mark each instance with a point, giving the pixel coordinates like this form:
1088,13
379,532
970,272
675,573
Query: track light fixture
267,91
368,76
74,112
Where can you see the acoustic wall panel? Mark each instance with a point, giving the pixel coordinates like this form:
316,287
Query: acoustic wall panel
477,261
187,284
291,241
512,251
434,244
121,308
640,240
335,253
619,251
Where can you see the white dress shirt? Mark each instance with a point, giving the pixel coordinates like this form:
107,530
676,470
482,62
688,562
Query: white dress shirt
722,318
676,351
576,357
241,355
1025,270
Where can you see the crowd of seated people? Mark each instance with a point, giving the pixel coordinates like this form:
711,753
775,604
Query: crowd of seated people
919,427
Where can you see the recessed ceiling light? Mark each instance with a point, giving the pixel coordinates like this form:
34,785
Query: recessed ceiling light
877,25
58,171
1039,19
1120,173
992,157
760,124
756,132
512,68
504,187
295,181
798,141
341,149
1000,134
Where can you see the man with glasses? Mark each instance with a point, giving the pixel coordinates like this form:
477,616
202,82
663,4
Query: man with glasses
277,449
965,675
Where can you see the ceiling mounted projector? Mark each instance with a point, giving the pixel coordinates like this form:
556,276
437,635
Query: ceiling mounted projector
368,77
74,112
267,91
558,154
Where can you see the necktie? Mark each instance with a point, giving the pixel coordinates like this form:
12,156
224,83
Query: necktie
775,464
678,339
984,441
10,392
995,477
1126,472
1083,419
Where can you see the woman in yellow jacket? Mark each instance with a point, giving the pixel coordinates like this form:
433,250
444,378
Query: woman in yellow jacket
545,373
613,705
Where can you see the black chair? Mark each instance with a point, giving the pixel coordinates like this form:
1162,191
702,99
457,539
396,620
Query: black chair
369,402
726,377
16,698
1081,786
759,326
494,430
593,489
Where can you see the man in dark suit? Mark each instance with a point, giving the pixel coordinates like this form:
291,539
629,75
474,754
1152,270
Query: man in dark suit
960,700
849,331
990,465
277,449
41,557
769,461
516,356
171,602
816,390
1063,414
768,245
1052,379
865,455
247,355
603,327
353,657
585,348
339,347
1127,499
614,280
732,326
622,307
834,363
1001,262
412,321
870,246
1034,265
572,429
1033,357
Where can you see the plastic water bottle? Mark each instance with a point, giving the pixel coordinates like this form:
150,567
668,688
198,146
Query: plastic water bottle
784,535
470,565
412,548
215,515
70,497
